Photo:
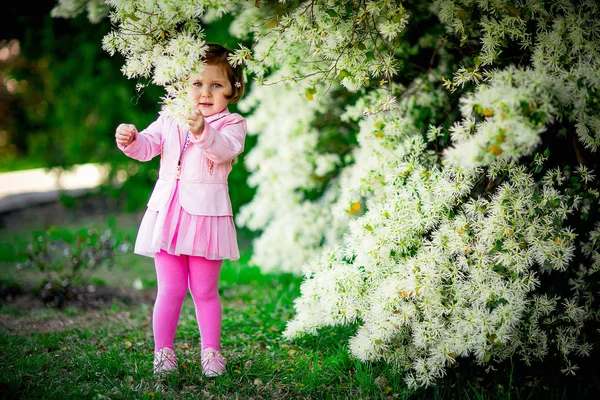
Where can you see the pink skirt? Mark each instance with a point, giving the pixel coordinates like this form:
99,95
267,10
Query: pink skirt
178,232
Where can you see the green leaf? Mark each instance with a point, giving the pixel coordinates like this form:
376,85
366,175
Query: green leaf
344,74
132,17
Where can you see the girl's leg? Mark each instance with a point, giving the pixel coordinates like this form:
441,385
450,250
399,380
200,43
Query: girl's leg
204,285
172,279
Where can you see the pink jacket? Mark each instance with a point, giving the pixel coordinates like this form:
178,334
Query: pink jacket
205,164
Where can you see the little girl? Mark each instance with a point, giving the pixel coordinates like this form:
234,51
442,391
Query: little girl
188,226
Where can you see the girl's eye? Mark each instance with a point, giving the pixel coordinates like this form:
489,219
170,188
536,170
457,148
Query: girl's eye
198,84
216,85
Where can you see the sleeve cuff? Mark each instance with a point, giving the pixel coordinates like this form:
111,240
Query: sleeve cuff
206,139
129,149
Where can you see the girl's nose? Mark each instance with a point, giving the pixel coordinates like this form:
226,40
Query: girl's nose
205,91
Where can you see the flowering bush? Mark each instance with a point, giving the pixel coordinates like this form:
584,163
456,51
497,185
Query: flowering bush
429,167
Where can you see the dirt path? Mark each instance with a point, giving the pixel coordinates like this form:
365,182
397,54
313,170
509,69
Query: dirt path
25,313
21,189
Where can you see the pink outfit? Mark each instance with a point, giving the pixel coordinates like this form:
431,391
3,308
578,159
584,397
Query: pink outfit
179,232
188,226
189,211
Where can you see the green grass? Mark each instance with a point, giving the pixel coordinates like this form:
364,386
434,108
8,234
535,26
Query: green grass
113,359
107,353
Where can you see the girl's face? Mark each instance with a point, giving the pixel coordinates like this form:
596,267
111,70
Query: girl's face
207,90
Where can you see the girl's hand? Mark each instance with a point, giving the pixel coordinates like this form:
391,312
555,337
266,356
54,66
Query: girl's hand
196,123
125,134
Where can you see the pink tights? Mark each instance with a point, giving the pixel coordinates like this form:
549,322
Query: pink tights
174,275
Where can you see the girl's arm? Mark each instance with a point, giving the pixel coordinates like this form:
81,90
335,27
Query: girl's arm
225,144
146,144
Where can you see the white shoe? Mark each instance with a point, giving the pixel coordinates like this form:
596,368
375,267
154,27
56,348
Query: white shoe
164,360
213,362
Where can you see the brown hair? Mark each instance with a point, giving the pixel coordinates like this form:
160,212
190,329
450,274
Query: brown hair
217,55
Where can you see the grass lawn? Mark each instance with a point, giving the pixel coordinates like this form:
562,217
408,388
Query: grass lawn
106,352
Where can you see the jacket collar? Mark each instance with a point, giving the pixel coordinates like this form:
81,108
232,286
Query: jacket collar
217,116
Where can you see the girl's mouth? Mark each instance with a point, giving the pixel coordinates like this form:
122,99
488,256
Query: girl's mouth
205,104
